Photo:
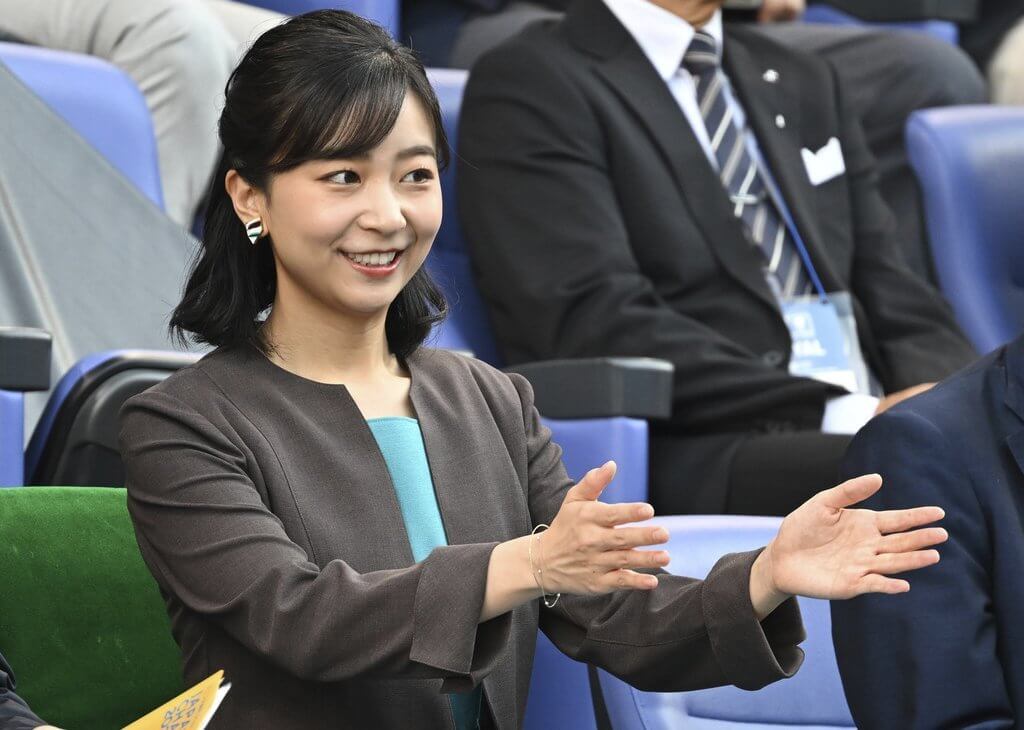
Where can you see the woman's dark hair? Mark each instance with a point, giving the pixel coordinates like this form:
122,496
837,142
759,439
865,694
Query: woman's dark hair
327,84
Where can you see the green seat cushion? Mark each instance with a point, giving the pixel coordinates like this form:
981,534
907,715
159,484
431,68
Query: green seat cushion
82,621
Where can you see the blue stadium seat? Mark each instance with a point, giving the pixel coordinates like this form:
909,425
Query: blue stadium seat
812,700
12,425
24,368
75,441
100,102
941,29
969,162
385,13
467,327
587,443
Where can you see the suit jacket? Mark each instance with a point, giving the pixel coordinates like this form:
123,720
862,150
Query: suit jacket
951,652
598,227
14,713
265,511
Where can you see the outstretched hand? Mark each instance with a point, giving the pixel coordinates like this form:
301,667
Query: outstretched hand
825,549
590,549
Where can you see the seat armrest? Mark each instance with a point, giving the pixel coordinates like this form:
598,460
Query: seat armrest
886,11
24,359
600,387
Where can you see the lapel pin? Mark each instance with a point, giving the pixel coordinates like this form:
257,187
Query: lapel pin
780,121
771,76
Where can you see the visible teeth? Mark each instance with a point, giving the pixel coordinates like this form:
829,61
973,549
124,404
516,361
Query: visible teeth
373,259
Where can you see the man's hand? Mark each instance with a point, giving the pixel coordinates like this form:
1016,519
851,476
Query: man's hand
898,397
774,11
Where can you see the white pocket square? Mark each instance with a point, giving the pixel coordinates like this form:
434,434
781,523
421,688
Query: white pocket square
824,164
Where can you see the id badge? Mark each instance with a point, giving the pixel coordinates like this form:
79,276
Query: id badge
825,343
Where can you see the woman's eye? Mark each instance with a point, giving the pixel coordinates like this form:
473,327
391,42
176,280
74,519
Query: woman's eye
345,177
419,176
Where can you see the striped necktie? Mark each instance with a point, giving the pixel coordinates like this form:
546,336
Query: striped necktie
739,171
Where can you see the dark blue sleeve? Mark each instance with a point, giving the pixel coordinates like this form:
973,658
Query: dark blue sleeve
927,658
14,713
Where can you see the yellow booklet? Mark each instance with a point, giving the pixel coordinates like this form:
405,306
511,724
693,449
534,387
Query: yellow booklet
191,710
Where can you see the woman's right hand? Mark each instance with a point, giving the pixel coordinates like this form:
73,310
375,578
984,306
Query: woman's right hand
588,551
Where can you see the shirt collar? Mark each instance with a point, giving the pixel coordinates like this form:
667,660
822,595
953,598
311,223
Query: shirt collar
662,36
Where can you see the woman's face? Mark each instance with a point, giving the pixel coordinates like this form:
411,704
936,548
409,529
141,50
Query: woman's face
349,234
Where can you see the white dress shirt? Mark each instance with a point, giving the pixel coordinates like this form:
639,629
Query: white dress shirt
664,38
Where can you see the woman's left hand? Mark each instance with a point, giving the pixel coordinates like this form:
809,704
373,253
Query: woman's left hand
824,549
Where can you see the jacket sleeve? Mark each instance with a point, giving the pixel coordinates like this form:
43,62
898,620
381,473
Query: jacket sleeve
928,658
917,336
685,634
555,258
211,541
14,713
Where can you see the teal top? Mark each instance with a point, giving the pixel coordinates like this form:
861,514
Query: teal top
401,443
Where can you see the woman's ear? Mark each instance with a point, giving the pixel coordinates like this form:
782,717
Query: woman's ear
247,200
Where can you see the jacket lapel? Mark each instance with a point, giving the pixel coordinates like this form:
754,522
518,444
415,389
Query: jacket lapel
623,65
764,103
357,461
471,479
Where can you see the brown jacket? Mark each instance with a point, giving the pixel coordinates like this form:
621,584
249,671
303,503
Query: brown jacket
265,511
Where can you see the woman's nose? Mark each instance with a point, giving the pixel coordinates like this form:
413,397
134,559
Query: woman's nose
383,211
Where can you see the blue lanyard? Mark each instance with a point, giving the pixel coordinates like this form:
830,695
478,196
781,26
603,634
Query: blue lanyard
799,241
787,219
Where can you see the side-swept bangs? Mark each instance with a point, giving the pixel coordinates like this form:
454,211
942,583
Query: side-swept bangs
350,114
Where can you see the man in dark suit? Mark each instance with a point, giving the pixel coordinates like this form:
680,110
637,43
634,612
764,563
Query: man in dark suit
951,652
14,713
627,190
887,76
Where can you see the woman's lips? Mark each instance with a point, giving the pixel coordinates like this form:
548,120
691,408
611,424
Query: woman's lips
375,270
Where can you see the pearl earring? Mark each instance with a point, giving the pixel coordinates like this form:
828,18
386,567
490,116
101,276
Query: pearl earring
254,229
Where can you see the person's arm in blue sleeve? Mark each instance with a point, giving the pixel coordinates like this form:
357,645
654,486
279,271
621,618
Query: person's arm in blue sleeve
927,658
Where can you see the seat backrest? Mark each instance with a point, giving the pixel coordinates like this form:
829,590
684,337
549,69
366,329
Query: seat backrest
386,13
75,440
943,30
467,326
969,162
81,619
100,102
812,699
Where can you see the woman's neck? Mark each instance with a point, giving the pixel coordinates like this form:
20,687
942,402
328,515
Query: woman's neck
329,349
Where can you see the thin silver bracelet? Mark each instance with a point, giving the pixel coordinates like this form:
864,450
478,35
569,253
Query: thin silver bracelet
538,573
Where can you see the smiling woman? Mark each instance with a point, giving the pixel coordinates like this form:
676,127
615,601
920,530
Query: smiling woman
352,525
349,234
332,141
